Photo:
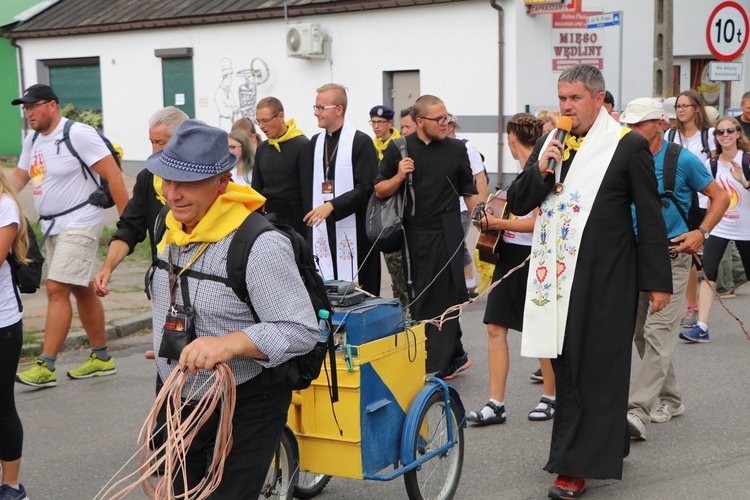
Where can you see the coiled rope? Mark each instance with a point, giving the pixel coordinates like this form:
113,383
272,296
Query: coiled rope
180,430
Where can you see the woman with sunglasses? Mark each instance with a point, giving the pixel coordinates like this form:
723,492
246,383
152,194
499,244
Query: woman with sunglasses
694,132
732,146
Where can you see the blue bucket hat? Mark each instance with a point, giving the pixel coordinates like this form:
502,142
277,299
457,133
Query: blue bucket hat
195,152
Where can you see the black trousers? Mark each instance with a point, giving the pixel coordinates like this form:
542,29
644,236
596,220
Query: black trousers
11,430
259,418
713,250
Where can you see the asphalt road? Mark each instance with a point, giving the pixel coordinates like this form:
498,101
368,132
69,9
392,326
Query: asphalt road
79,434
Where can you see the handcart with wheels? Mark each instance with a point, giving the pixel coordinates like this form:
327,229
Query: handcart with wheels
390,419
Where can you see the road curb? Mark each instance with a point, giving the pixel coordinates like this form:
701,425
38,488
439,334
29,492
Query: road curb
76,339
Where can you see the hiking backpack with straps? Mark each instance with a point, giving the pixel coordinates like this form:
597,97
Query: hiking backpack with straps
714,163
27,276
704,140
694,216
300,371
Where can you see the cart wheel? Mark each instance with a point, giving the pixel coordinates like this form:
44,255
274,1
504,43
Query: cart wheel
282,473
310,485
436,479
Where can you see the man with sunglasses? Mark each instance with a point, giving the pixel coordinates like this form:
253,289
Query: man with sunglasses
339,167
656,334
61,191
438,167
276,173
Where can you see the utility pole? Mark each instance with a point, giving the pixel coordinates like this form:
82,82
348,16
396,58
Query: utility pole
663,66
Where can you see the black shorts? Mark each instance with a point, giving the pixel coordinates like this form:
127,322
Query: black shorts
505,303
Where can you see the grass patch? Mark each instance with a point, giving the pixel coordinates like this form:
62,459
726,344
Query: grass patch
30,337
142,250
8,162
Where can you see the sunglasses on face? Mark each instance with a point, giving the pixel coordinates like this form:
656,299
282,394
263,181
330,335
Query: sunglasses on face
728,130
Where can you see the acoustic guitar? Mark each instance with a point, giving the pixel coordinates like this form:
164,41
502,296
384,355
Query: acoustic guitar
488,238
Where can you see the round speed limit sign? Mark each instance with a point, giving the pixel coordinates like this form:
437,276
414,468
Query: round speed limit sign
726,32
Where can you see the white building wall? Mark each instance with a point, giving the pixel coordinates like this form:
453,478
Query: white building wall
364,45
454,47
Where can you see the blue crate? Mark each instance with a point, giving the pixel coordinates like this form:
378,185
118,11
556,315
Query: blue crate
373,319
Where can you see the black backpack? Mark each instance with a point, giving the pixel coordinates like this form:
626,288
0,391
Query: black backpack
714,163
27,277
384,218
704,140
694,216
300,371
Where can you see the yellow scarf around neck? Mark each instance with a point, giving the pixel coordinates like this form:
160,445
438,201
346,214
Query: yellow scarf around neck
225,215
158,190
291,132
381,144
573,142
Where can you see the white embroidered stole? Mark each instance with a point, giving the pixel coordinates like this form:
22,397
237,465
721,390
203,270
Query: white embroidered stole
558,232
345,248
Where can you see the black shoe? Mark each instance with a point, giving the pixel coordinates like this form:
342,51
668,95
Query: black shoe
537,376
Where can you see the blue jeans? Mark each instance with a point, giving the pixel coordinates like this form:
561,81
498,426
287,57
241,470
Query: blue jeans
259,418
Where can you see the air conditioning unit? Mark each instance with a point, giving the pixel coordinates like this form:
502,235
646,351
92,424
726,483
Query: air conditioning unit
304,40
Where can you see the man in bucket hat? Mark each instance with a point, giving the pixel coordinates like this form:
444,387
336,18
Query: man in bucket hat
205,211
656,334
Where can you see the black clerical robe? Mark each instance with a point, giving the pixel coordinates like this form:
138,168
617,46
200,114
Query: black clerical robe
277,176
435,236
365,167
590,435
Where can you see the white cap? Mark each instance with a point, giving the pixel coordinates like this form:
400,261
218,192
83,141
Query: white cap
642,109
669,104
712,114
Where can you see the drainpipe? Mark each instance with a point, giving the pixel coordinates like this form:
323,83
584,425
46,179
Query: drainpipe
21,73
500,90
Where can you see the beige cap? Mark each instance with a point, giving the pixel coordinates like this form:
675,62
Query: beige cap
642,109
669,104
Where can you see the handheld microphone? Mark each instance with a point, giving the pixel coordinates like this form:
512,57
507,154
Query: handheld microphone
564,125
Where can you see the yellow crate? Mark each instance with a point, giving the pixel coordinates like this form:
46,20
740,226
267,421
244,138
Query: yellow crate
373,401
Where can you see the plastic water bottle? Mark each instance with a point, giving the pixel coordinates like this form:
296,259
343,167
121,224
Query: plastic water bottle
323,326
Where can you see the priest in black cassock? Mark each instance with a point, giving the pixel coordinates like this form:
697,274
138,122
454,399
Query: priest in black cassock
341,164
440,171
585,273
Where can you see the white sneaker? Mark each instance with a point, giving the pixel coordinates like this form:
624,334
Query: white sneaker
664,413
636,426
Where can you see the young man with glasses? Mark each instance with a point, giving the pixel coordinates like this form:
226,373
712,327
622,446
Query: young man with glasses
277,174
381,120
339,167
438,167
61,189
